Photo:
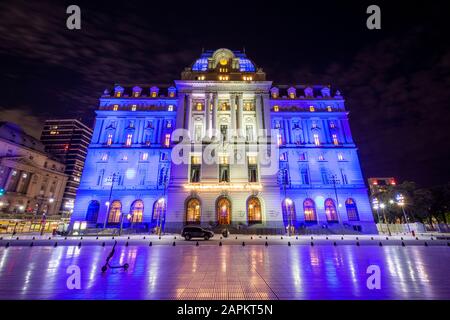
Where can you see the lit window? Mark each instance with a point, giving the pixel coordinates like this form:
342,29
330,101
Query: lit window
169,124
53,132
133,107
292,95
312,109
332,125
125,157
252,160
316,139
223,160
118,94
167,140
329,109
105,157
196,160
129,139
279,139
276,108
115,107
109,140
340,156
335,139
136,94
321,157
199,107
303,157
154,94
145,156
170,108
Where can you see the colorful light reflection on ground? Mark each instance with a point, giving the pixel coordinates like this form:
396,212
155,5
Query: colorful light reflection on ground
228,272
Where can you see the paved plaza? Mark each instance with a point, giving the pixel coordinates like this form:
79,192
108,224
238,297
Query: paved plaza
231,271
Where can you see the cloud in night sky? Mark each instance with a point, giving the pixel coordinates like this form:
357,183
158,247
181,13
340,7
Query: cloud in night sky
396,81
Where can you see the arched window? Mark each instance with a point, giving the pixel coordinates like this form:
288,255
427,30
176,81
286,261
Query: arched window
193,211
254,212
309,209
330,211
92,211
158,210
137,211
289,216
352,210
115,211
223,210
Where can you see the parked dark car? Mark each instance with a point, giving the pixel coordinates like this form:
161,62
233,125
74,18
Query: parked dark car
190,232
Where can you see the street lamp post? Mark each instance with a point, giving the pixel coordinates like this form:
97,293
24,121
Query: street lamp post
401,203
376,206
335,180
108,203
383,206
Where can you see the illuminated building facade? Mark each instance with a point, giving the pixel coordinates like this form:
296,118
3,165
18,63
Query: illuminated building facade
31,180
224,147
68,139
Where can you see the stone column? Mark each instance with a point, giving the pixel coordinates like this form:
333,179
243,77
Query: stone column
187,119
208,113
233,113
180,111
266,113
258,109
240,106
215,99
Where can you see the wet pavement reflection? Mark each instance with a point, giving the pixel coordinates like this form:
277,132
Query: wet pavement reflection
228,272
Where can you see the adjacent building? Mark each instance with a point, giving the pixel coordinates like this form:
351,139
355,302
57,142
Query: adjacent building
68,139
31,180
223,147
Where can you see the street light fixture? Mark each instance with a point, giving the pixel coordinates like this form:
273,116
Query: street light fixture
401,203
382,206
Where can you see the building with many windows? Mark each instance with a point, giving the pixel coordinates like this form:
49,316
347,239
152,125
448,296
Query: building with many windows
223,147
68,140
31,180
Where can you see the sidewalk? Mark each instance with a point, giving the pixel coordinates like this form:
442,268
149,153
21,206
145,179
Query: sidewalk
218,240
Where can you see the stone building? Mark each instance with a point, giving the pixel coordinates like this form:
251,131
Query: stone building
32,181
224,146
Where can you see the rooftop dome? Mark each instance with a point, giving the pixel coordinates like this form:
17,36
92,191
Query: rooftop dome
209,60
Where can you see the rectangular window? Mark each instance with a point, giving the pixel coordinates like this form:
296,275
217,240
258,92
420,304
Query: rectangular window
249,133
144,156
115,107
279,139
129,139
133,107
344,177
167,140
305,176
316,139
224,132
170,108
105,157
252,169
335,139
109,140
198,132
340,156
195,169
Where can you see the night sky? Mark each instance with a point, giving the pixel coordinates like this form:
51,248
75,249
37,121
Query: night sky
396,81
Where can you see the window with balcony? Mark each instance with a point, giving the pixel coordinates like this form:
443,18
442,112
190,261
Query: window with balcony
195,169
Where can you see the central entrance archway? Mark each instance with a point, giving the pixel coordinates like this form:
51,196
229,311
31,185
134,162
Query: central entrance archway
223,209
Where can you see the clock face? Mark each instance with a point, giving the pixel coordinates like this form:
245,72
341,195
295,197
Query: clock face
223,61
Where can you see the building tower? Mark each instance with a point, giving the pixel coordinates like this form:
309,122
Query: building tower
68,140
